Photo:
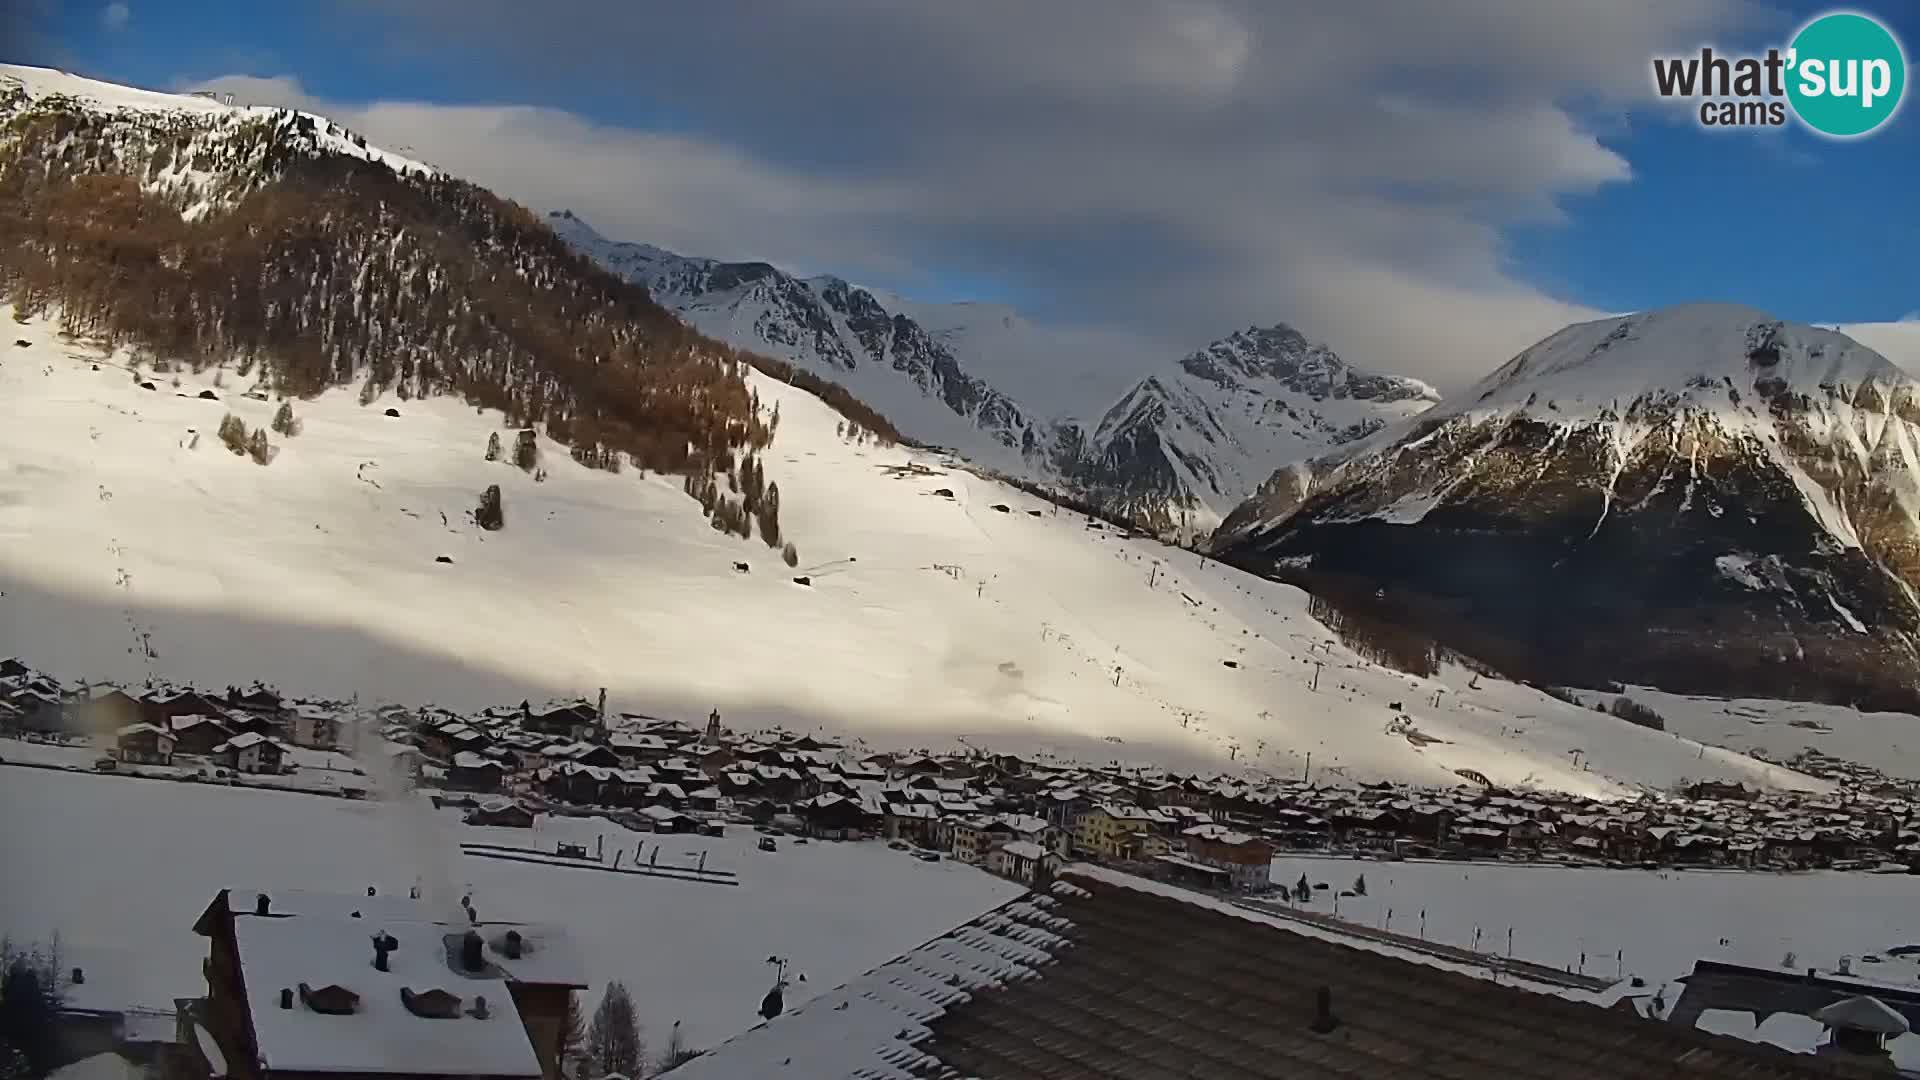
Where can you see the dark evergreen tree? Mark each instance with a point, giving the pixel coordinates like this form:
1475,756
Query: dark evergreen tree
493,446
491,515
613,1037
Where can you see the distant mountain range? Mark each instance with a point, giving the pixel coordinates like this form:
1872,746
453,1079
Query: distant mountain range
1176,451
1703,498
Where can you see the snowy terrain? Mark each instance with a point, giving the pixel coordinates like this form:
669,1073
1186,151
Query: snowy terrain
1637,922
1719,501
688,951
1202,437
127,529
37,83
1177,449
1887,741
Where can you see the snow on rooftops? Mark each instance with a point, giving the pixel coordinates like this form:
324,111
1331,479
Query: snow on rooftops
291,965
548,955
245,739
1864,1013
1052,984
1025,849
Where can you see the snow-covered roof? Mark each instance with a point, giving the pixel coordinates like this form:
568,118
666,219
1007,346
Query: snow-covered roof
1865,1013
382,1035
108,1066
1025,849
467,759
246,739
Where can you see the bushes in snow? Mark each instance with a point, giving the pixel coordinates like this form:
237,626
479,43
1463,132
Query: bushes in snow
789,554
526,450
235,436
490,515
1635,713
285,422
233,432
493,446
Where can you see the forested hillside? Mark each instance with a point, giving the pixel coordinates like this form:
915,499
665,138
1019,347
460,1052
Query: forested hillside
272,239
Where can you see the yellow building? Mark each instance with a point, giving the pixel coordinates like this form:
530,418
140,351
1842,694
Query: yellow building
1120,832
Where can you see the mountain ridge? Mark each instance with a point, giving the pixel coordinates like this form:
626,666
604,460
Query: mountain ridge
1177,449
1720,498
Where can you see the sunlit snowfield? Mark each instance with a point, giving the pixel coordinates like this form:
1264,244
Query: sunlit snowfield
128,550
121,868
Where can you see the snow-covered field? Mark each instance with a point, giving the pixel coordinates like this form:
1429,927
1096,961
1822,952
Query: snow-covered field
123,867
1890,742
1653,924
126,529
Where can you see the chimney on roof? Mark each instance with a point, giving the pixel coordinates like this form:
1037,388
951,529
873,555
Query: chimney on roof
78,977
286,997
473,957
370,890
383,943
601,715
513,945
262,904
479,1007
1323,1019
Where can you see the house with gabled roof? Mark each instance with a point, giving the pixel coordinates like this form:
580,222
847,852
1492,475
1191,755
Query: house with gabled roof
1104,976
251,752
321,986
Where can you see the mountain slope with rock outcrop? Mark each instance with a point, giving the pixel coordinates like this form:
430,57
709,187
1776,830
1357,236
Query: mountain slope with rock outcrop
1702,498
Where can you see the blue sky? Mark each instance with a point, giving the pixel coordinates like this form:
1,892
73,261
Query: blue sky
923,158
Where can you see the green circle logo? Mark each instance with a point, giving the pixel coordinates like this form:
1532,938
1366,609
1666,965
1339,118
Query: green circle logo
1846,74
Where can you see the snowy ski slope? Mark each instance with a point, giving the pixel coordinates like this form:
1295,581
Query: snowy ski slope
127,551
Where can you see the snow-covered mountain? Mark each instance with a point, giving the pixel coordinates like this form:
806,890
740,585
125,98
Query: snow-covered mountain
1182,449
1702,498
939,609
837,330
1175,451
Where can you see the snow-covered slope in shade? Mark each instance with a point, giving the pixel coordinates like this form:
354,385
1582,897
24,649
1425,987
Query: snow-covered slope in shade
132,543
1190,445
837,330
1737,496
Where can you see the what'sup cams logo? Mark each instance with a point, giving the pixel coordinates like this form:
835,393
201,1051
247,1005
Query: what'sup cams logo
1843,76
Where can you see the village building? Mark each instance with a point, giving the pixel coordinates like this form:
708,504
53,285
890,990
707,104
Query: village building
1246,860
315,727
576,720
503,813
1122,832
915,823
321,986
1080,980
250,752
144,744
1023,861
257,699
161,707
469,771
103,710
197,735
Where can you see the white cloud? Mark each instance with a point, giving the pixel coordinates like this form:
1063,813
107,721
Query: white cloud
115,15
1897,341
1173,169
